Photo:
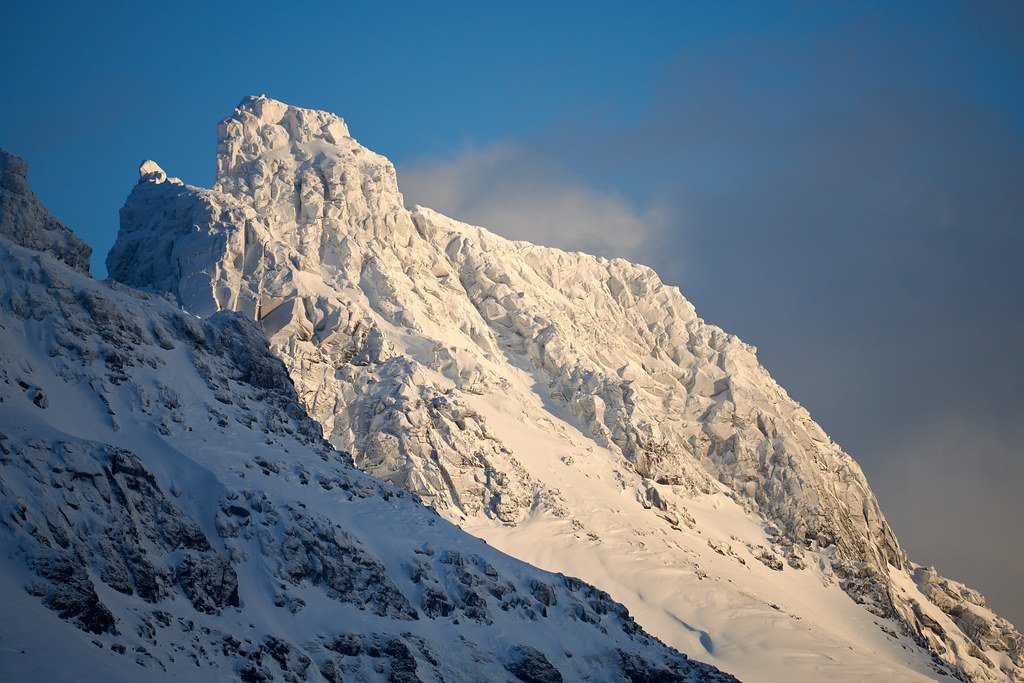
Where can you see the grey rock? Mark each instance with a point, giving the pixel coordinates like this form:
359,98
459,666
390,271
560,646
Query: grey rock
530,665
24,220
209,581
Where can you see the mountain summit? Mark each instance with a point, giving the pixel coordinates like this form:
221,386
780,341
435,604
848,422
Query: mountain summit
572,410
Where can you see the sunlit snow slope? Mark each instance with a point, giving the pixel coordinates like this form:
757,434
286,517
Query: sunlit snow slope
168,511
573,411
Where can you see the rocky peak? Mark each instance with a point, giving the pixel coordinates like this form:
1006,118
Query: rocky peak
300,167
13,173
261,125
150,170
24,220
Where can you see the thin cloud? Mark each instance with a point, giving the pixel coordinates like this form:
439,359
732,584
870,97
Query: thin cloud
522,195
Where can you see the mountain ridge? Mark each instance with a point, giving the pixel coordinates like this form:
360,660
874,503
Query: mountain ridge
414,339
168,504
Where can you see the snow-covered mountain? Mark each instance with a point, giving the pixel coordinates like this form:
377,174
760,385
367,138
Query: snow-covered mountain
167,503
572,411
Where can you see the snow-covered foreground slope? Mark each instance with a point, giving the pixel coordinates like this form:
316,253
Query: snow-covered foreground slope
166,503
573,411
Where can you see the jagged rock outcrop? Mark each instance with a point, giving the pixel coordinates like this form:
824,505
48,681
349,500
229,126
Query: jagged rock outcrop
409,335
325,296
26,221
167,503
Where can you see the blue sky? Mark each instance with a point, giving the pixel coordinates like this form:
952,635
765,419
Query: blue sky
841,184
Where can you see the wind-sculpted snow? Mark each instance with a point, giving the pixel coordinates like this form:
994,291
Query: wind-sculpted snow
166,503
549,401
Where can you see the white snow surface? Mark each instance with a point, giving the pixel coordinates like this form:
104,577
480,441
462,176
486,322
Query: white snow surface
571,410
168,511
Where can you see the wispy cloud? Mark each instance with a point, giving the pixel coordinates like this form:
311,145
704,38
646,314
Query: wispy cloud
521,194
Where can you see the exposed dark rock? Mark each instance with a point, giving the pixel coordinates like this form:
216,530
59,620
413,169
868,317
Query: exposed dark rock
209,581
530,665
69,592
26,221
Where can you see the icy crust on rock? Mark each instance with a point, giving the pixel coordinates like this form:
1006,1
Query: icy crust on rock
405,331
24,220
168,504
261,125
649,379
652,381
273,241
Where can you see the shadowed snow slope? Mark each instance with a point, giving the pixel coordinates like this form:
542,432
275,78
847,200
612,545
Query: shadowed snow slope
573,411
166,503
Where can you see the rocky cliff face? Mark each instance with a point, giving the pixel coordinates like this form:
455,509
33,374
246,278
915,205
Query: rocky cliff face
167,503
327,296
490,377
26,221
